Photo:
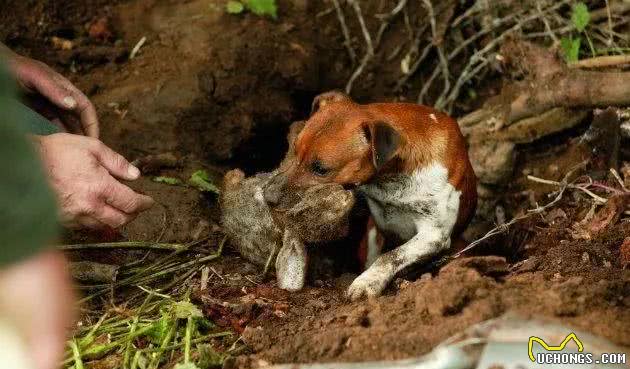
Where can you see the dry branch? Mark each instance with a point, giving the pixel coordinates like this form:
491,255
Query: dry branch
549,84
602,61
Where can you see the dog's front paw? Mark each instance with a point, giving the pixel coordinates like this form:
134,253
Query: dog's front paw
369,284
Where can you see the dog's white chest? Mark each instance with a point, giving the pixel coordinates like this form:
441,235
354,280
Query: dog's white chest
407,205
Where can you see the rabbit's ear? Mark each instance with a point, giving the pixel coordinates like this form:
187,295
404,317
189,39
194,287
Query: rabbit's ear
291,263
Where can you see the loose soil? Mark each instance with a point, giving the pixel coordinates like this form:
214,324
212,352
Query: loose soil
219,91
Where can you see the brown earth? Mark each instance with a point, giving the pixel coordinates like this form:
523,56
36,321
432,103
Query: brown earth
219,91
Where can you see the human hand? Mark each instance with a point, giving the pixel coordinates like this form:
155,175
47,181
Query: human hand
81,172
68,106
37,299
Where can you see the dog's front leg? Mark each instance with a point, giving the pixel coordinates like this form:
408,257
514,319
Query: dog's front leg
429,240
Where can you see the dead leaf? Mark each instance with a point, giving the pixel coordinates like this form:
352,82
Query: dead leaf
607,216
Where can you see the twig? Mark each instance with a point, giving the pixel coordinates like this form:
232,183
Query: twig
467,14
157,270
386,19
371,45
205,277
618,178
610,25
369,51
427,85
407,22
572,186
546,23
478,61
440,50
564,184
217,274
125,245
165,214
416,64
136,48
470,70
346,33
155,293
366,33
324,12
601,61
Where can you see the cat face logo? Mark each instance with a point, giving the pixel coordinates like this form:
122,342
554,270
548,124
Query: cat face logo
560,347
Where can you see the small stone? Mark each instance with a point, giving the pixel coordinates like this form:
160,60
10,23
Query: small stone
529,265
585,257
493,161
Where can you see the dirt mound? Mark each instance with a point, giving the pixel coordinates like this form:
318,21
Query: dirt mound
554,280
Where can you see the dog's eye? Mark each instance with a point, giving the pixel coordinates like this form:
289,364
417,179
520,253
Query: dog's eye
318,168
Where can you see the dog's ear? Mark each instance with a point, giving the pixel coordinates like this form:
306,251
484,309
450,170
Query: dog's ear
384,142
326,98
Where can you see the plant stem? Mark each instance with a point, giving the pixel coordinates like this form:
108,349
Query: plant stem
157,356
76,355
189,324
136,359
134,326
193,341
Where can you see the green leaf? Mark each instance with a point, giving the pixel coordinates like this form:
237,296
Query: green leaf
234,7
201,181
571,48
263,7
185,309
159,329
580,16
167,180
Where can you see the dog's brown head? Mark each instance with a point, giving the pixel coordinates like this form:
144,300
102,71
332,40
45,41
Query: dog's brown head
341,143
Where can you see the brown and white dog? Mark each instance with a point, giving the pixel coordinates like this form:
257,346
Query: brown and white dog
409,161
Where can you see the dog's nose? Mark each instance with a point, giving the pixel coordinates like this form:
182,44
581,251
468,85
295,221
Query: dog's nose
274,188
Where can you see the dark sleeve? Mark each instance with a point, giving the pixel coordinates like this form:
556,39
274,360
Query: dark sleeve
28,217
